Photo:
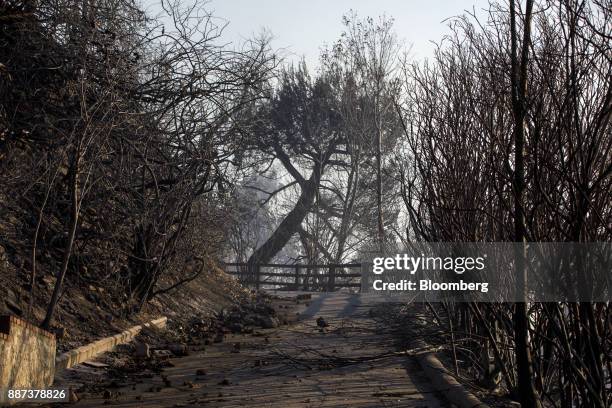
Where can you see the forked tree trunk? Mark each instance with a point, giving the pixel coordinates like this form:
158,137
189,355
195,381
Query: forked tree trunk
290,224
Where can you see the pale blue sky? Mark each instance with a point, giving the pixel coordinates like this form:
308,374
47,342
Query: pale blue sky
303,26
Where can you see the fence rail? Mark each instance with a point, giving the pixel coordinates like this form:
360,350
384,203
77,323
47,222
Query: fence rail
301,276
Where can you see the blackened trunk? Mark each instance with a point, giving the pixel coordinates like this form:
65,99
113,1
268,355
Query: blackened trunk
290,225
527,393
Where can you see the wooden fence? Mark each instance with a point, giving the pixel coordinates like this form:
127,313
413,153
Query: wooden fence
313,277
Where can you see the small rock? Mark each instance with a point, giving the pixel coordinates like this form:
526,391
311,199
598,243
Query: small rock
162,354
142,350
250,320
179,350
235,317
265,309
269,322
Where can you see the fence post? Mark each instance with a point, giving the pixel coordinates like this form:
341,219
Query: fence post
331,280
257,276
297,277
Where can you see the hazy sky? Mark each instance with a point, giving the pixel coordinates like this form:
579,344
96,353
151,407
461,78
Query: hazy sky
303,26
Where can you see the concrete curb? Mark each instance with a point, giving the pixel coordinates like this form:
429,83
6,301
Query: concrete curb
86,352
445,383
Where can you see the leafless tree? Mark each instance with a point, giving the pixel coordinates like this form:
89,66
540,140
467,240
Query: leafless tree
499,133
